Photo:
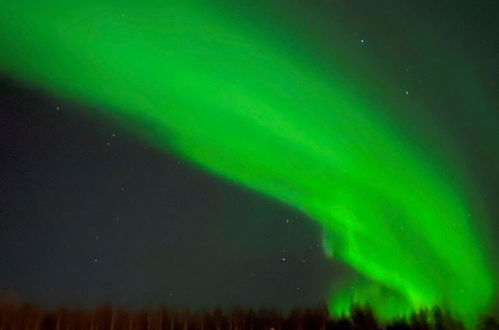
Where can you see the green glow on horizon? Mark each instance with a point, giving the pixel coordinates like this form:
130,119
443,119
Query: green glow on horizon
189,78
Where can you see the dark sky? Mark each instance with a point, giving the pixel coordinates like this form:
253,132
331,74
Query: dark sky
88,217
89,214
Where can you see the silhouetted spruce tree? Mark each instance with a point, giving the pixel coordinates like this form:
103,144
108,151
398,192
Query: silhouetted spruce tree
121,320
444,321
48,322
398,325
295,319
309,321
140,320
438,319
268,318
238,317
419,320
342,323
320,316
363,319
251,320
489,324
167,319
217,319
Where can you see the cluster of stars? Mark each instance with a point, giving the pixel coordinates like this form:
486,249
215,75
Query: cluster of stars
117,219
108,142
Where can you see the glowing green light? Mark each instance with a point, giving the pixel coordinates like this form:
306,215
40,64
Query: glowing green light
188,77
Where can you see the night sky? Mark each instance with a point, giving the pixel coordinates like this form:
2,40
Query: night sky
85,220
96,208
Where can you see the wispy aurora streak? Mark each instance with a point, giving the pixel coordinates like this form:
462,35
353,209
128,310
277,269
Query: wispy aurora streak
220,93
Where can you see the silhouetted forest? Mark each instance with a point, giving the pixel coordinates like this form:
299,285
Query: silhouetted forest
14,316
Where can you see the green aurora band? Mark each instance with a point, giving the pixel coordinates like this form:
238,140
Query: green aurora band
247,105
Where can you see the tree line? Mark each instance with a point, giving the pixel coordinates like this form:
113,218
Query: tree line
24,316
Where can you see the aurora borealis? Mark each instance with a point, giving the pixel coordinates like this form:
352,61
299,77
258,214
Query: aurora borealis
270,101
